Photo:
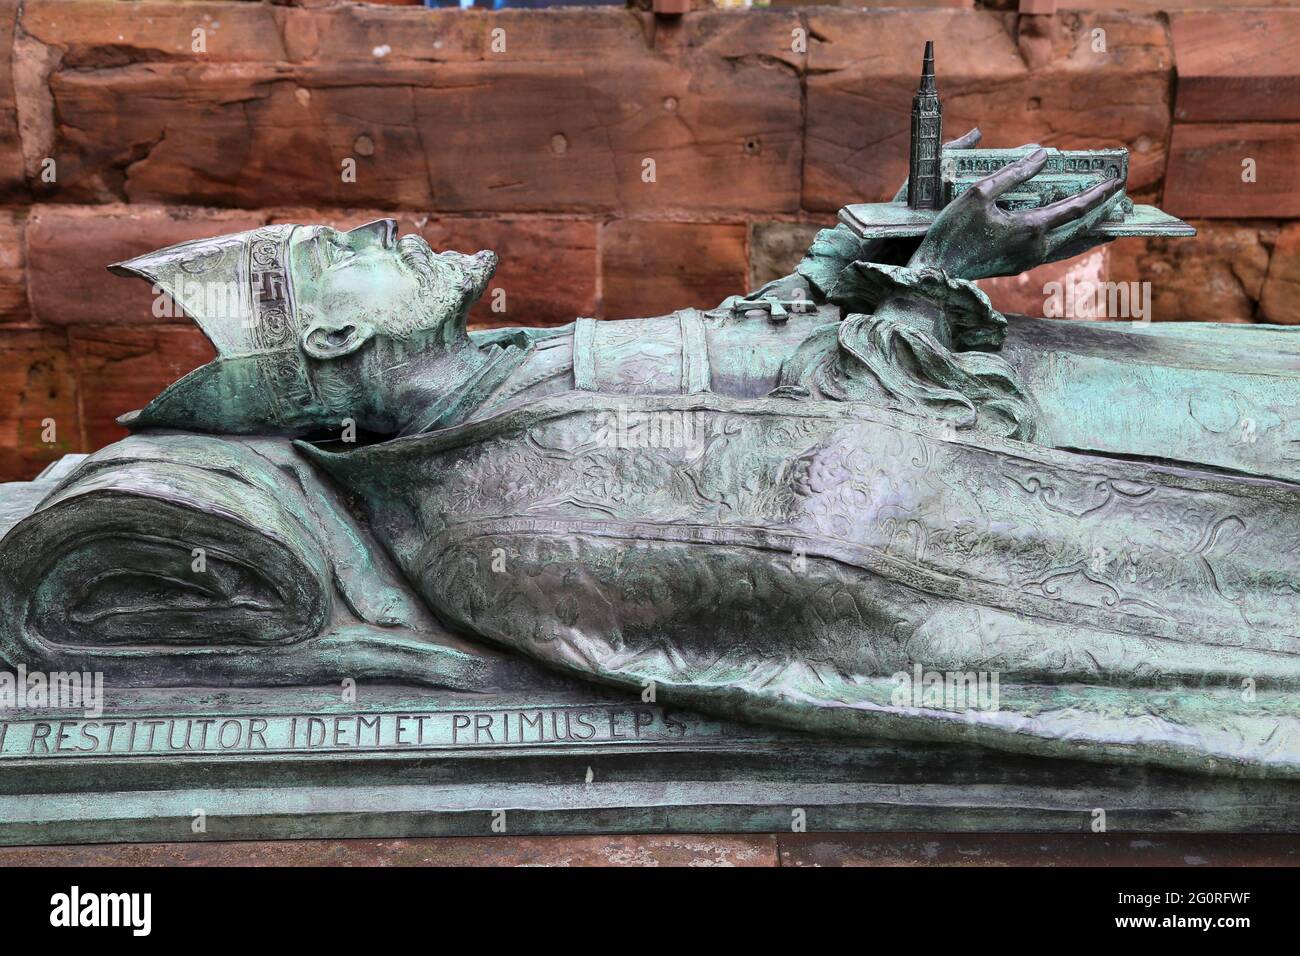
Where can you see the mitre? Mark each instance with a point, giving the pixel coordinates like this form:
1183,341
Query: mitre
238,289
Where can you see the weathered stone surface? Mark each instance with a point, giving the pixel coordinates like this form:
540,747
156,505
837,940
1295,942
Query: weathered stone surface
1207,163
714,126
1030,292
887,4
352,31
1216,277
120,368
94,39
13,268
68,248
863,73
548,269
237,135
407,222
685,850
648,268
1162,6
13,182
1237,65
92,34
37,400
775,248
1280,299
765,35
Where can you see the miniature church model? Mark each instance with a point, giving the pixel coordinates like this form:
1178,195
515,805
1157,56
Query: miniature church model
937,176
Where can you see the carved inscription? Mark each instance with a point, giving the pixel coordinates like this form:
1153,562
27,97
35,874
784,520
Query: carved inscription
390,731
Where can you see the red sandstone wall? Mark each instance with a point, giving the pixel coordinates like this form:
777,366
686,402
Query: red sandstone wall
538,152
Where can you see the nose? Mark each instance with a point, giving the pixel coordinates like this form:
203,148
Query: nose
381,231
481,266
478,268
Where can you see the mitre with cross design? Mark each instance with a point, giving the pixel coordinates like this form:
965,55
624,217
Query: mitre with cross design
238,288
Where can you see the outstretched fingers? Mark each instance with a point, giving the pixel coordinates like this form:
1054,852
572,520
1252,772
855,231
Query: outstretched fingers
1065,211
967,141
1077,235
995,184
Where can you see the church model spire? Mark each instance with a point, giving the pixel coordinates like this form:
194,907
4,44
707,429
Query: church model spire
927,134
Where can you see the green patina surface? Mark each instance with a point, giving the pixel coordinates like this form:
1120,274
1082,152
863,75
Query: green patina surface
902,560
301,763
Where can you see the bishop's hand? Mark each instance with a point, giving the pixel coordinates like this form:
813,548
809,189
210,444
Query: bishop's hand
973,237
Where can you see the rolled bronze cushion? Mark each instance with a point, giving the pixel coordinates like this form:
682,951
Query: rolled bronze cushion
133,551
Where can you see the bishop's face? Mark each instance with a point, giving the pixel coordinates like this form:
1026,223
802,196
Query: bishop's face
367,278
315,325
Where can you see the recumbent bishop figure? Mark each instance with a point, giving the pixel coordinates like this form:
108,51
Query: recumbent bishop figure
768,510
